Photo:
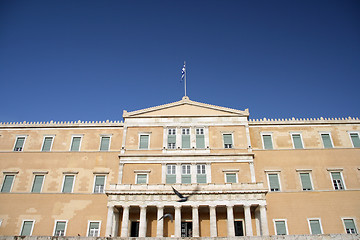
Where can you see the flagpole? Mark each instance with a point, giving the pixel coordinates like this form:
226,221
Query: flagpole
185,77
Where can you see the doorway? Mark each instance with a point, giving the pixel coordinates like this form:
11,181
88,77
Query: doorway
134,232
186,229
239,229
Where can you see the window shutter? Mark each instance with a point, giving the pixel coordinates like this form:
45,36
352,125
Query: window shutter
100,180
105,142
200,141
94,225
297,141
186,178
19,143
68,184
280,228
7,183
201,178
315,227
60,226
274,181
355,139
141,178
305,180
171,138
38,181
267,142
231,178
47,144
349,224
326,140
26,230
336,176
227,138
76,144
185,141
144,141
170,179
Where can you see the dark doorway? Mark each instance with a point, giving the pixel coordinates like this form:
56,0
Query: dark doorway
134,229
186,229
239,231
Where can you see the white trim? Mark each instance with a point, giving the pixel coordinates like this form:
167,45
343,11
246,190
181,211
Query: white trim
72,139
62,186
272,140
144,134
286,226
311,181
105,135
88,227
52,141
352,132
268,180
318,219
301,139
66,223
326,132
32,226
332,180
231,170
95,175
19,136
136,178
349,218
236,176
42,184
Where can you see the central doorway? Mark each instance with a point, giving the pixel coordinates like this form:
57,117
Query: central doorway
239,230
186,229
134,229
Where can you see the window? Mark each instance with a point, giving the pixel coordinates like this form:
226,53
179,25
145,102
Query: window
7,184
267,141
27,227
200,138
230,178
337,181
185,173
144,142
172,138
99,185
315,226
141,178
297,141
60,228
37,184
326,138
201,173
94,229
105,143
280,227
306,182
355,139
228,142
185,138
47,144
350,226
274,182
68,183
19,144
75,144
171,173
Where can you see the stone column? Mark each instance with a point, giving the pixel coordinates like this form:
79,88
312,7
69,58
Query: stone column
195,220
178,173
142,225
263,221
125,221
213,228
163,173
248,226
208,172
160,224
109,221
121,167
115,227
178,221
252,172
230,221
193,173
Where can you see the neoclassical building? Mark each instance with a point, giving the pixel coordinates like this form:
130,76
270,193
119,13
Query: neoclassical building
243,177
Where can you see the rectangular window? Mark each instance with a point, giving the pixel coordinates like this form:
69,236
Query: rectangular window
230,177
171,173
68,183
185,138
315,226
306,181
326,140
60,227
105,144
297,141
172,138
267,141
75,144
337,181
350,226
7,184
37,184
144,142
200,138
47,144
27,228
19,144
185,173
99,185
355,140
201,173
141,178
228,143
280,227
274,182
94,229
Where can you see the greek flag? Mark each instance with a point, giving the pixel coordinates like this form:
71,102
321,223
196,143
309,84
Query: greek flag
183,71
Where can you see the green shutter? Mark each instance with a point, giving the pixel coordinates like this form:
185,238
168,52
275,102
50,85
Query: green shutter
349,224
171,138
26,230
297,141
105,142
274,182
75,146
68,184
144,142
200,141
94,225
60,226
185,178
230,177
170,178
100,180
38,181
47,144
326,140
8,180
355,139
315,227
305,180
280,228
19,144
185,141
267,142
336,176
141,178
227,138
201,178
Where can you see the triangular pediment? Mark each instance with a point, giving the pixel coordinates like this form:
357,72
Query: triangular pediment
185,108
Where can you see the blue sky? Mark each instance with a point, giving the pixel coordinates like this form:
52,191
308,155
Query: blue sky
90,60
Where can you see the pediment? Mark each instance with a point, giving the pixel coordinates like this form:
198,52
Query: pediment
185,108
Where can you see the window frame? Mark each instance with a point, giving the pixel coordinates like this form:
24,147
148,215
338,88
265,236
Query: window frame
23,146
148,144
94,186
231,171
286,226
141,173
310,177
88,228
199,129
329,133
202,168
301,139
263,142
12,183
72,139
73,184
349,218
185,131
173,168
56,221
232,140
278,178
170,132
101,138
22,226
341,176
353,132
42,184
309,225
51,145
